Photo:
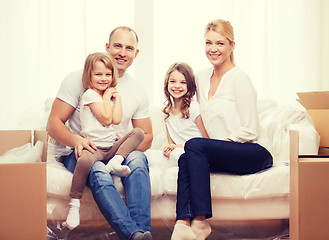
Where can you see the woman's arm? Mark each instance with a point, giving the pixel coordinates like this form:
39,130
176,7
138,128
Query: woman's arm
246,104
199,123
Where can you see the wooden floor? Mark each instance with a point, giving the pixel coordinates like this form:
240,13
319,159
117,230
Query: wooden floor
265,230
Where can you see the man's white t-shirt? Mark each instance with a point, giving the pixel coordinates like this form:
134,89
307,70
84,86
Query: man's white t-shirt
102,136
134,100
182,129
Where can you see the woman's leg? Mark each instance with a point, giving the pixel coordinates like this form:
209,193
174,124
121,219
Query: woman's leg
182,229
197,151
183,204
208,155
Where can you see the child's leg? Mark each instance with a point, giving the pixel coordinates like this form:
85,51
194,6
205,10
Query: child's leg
73,217
114,166
121,149
79,179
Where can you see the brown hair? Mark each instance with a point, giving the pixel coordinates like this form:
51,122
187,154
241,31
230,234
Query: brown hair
224,28
89,66
187,71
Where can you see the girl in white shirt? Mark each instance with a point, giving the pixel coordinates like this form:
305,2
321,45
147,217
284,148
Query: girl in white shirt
229,110
183,120
100,109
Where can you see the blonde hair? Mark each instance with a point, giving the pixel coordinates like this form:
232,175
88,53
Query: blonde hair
224,28
187,71
89,66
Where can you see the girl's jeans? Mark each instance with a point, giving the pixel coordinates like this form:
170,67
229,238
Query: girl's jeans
135,215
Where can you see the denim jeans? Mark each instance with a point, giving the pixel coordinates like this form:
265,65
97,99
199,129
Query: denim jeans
135,215
203,156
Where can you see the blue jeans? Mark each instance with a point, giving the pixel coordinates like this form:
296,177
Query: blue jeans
135,215
203,156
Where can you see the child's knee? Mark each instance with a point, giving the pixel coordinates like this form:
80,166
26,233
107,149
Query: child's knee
139,134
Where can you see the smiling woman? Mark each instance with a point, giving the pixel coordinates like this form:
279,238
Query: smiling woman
281,43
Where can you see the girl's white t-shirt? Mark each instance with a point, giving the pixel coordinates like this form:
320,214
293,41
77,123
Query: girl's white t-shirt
91,128
134,100
182,129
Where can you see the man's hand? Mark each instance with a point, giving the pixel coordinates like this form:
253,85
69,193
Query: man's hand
84,143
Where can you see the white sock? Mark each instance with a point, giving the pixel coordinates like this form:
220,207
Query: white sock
114,166
73,218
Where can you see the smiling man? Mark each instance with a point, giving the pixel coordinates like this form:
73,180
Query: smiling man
133,219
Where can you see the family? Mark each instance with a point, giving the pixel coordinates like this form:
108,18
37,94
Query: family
217,133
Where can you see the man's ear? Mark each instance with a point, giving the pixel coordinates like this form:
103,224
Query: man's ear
136,53
107,47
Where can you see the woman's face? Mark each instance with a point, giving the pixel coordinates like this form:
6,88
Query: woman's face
218,48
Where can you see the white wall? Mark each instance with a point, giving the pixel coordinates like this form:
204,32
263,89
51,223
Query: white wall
282,45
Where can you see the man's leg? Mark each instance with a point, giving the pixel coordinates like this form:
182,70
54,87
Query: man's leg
138,189
69,161
110,203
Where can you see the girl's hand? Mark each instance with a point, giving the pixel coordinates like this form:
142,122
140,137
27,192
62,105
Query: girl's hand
109,92
116,96
168,149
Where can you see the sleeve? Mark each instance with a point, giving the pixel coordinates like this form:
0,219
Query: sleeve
143,110
194,110
246,103
90,96
71,89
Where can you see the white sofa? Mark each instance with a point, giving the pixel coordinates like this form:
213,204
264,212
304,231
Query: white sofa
251,206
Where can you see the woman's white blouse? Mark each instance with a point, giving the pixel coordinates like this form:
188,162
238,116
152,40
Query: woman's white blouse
232,111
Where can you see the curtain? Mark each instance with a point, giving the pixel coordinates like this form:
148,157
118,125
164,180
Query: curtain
44,40
281,44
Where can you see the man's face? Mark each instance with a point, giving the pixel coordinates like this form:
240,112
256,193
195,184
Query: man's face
122,49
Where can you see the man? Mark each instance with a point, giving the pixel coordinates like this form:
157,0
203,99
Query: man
131,220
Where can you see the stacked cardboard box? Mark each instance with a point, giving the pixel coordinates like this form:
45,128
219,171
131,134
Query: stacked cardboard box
23,189
309,183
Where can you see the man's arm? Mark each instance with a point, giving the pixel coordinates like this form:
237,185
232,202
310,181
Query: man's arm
146,125
60,113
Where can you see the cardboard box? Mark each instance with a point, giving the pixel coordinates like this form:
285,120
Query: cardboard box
317,106
23,191
309,194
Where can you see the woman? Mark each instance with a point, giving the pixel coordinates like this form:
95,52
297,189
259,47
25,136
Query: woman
228,105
